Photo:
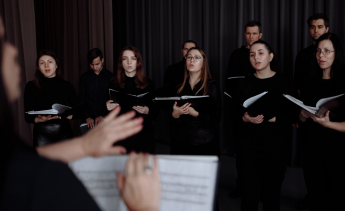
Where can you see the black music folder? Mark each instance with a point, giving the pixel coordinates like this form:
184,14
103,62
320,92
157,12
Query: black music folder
322,106
59,110
199,103
264,103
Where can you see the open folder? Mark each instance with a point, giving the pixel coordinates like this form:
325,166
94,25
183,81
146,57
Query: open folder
58,109
199,103
322,106
188,183
264,103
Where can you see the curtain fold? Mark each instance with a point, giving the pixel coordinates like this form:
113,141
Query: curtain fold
19,20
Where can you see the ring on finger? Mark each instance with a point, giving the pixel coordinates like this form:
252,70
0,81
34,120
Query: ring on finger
148,169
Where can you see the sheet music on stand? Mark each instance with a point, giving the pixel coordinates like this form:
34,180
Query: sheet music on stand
187,182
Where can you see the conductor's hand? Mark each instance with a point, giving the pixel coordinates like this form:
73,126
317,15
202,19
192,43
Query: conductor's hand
90,122
100,140
255,120
110,105
140,189
324,121
141,109
41,118
178,111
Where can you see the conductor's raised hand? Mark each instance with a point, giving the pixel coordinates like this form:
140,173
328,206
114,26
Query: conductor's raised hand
41,118
255,120
100,140
111,105
324,121
141,187
178,111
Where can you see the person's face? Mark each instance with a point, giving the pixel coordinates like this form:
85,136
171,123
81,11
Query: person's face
317,28
11,71
252,34
194,66
129,62
260,58
325,61
97,64
47,65
186,48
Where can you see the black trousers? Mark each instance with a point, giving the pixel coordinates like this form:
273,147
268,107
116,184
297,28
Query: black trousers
47,133
324,173
263,162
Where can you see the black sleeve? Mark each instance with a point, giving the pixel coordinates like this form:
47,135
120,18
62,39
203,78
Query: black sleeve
29,102
213,115
82,94
168,77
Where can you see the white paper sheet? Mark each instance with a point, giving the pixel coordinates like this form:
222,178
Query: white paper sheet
187,182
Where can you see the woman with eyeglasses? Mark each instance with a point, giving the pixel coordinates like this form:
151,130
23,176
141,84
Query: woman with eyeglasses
324,156
196,132
264,141
130,79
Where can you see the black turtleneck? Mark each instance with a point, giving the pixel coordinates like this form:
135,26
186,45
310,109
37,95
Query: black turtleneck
53,90
303,65
174,75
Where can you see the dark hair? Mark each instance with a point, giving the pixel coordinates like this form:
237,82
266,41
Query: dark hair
338,66
317,16
205,74
93,54
139,77
252,24
189,41
275,63
38,75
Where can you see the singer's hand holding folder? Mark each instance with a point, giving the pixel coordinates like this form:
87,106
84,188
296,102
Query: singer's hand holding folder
199,103
59,110
264,103
322,106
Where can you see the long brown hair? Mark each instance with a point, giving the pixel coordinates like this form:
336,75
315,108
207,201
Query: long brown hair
205,74
38,75
139,77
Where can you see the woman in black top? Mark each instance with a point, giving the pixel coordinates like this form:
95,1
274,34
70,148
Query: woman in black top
130,79
263,141
196,132
46,89
324,156
28,181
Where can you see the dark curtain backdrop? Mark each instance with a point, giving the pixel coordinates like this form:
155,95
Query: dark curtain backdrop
158,29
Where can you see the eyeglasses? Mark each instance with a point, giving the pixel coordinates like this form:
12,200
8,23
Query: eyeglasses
325,52
196,58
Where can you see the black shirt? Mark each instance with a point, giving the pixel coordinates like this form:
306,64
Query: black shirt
93,89
174,75
144,140
252,86
303,66
36,183
189,130
53,90
320,138
239,63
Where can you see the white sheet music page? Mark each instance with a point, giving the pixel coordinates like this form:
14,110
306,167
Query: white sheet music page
187,182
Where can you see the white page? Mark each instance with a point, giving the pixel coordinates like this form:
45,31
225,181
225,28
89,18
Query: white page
253,99
192,97
187,182
311,109
61,108
50,111
236,77
142,95
167,98
227,94
325,100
